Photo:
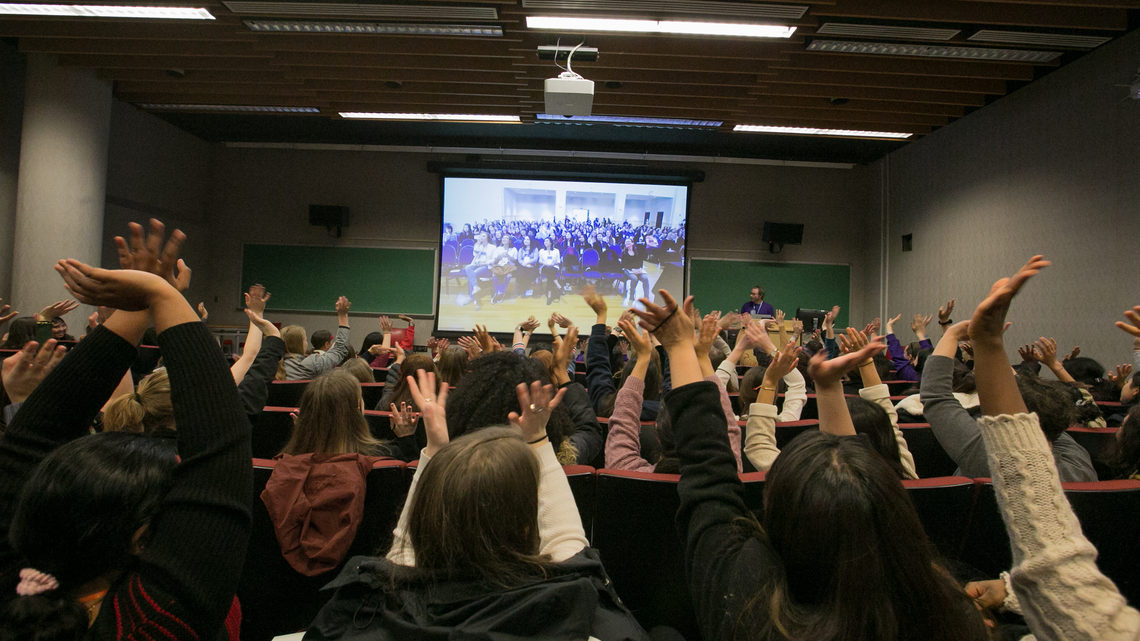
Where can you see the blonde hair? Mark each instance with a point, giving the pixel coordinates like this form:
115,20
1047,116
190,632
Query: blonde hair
359,369
295,340
145,411
330,420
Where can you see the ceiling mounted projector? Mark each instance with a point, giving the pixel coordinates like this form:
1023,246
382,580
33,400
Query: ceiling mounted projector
569,95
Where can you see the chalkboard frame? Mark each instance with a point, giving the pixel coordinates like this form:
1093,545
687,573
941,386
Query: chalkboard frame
424,303
748,279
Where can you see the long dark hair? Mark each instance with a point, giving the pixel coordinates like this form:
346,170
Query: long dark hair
856,563
21,331
486,396
330,420
79,516
873,423
452,364
1123,456
412,364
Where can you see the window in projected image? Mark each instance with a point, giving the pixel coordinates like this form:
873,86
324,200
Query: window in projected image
516,248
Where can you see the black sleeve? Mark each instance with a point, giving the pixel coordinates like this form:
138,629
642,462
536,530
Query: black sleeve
202,527
390,383
727,564
599,377
254,387
587,435
59,410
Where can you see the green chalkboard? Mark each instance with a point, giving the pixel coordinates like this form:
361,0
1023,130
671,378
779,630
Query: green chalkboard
724,285
305,278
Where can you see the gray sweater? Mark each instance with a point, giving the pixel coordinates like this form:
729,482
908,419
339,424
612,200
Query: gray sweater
961,438
313,365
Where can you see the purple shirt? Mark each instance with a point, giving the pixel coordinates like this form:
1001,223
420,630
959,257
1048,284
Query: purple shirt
755,309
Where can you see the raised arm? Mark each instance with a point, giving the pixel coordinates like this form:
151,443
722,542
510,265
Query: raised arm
255,299
1046,349
254,386
623,442
760,444
599,376
952,425
875,391
834,418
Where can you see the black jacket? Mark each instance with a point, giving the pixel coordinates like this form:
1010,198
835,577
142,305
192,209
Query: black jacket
575,601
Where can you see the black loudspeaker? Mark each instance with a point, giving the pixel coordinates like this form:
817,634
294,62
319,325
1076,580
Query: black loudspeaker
329,216
779,234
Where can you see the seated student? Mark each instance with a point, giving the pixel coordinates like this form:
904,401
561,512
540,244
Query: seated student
599,367
958,432
396,385
632,260
20,333
503,265
486,396
107,536
298,366
480,267
315,494
1060,591
527,273
321,340
754,337
623,443
872,414
513,560
906,360
839,551
359,369
452,365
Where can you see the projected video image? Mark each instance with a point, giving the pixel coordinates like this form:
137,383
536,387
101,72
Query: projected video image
513,248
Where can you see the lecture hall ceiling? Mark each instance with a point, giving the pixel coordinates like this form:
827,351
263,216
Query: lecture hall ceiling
849,65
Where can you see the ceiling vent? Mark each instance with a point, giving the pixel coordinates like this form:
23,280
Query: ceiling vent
1039,39
353,10
718,10
885,31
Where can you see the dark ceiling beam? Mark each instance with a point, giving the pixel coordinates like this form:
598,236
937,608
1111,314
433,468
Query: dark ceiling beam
956,11
896,65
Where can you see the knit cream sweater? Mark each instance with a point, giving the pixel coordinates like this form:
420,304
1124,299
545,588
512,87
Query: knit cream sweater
1061,592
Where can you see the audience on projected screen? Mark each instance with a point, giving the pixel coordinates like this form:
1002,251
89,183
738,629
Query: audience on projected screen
1065,597
624,248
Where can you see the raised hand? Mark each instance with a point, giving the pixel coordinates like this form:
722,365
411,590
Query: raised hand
756,335
385,325
564,348
783,362
441,344
1046,349
399,352
407,319
471,345
944,312
890,328
23,371
203,313
708,332
852,340
1120,376
595,301
919,324
1075,353
146,252
267,328
561,320
486,343
256,298
637,339
129,290
57,309
6,315
342,306
1028,354
798,325
828,373
529,325
433,408
779,317
988,321
404,419
536,403
987,595
1132,327
872,328
669,323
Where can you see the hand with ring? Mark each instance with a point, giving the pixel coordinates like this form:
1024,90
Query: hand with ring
536,400
434,414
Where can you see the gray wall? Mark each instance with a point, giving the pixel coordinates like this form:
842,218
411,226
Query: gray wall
156,170
262,195
12,71
1049,169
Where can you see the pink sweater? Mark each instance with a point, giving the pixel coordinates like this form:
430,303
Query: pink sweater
623,444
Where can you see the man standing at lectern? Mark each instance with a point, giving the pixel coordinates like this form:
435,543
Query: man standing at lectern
756,305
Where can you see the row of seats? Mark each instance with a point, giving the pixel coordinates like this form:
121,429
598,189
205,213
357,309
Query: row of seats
629,518
274,426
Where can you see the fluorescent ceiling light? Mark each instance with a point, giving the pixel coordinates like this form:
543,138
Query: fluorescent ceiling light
361,10
811,131
365,115
885,31
933,51
661,26
103,11
230,108
734,10
389,28
632,120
